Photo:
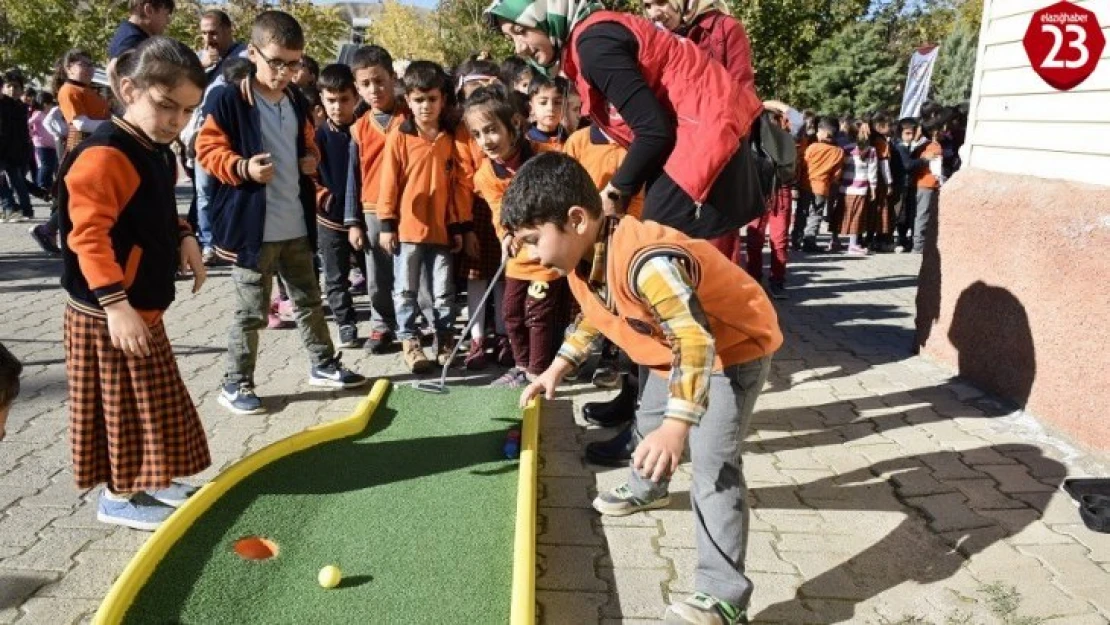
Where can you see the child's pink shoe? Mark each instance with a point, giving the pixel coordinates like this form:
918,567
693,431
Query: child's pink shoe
285,309
275,322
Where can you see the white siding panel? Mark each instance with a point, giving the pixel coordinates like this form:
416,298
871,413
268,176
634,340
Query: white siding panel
1089,106
1023,80
1078,138
1053,165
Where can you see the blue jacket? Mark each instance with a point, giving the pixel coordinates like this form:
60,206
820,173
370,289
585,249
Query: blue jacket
231,134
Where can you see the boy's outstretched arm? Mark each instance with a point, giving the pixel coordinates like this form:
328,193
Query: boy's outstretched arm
573,352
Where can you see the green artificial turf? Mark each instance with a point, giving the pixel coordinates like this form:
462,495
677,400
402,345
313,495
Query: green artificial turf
418,512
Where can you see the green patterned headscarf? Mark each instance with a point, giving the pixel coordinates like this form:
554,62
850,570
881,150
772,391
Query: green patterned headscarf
556,18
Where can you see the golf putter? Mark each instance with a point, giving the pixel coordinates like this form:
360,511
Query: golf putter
440,387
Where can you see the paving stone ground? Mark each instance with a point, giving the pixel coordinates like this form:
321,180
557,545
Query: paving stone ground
883,489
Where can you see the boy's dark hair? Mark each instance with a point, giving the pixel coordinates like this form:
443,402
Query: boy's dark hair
337,78
69,58
311,66
222,18
43,99
829,124
540,82
160,61
544,189
880,118
425,76
10,368
236,69
372,56
136,6
277,27
496,101
312,96
511,69
12,76
907,123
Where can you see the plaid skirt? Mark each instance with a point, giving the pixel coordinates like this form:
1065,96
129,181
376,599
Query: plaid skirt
855,215
132,423
882,218
489,247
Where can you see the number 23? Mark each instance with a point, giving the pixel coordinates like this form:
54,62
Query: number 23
1079,43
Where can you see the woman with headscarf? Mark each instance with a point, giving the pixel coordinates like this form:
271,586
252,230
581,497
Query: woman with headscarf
722,37
685,121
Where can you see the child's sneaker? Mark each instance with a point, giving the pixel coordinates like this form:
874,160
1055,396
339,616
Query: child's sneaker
444,348
348,336
140,512
834,246
858,250
175,495
476,357
285,310
333,374
415,357
513,378
240,399
606,377
380,341
621,502
703,609
358,283
41,235
777,290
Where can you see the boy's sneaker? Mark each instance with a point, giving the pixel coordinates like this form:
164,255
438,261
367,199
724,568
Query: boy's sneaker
415,357
208,256
621,502
777,290
476,357
444,347
348,336
140,512
858,250
380,341
16,218
333,374
703,609
606,377
240,399
175,495
41,235
513,378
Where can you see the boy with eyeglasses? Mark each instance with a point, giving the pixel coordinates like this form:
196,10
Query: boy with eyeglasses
259,143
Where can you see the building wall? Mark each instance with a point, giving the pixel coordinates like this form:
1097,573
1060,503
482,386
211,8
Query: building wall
1016,293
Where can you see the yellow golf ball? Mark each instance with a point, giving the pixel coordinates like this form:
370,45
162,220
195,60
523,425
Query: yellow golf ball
329,576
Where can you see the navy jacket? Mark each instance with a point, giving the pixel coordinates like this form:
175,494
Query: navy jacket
231,134
334,142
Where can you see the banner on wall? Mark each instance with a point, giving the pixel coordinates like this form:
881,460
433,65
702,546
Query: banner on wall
918,80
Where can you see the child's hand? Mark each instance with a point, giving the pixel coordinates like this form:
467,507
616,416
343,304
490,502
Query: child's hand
308,165
456,243
546,383
388,242
191,260
129,332
470,245
658,455
509,247
260,168
357,238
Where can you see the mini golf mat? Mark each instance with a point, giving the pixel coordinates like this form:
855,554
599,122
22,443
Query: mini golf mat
418,512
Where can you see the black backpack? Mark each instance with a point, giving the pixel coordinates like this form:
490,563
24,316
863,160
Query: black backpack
776,147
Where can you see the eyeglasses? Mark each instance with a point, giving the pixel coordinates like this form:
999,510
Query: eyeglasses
278,65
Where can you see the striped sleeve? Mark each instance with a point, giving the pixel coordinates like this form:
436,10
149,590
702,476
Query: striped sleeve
576,346
665,285
100,183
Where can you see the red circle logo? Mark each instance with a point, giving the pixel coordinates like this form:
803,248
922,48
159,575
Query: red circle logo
1064,43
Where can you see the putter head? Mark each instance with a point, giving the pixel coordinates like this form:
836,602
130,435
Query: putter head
430,387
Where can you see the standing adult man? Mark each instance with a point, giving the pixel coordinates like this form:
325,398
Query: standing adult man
218,43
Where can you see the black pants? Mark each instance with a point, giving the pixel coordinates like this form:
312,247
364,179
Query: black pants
734,200
335,255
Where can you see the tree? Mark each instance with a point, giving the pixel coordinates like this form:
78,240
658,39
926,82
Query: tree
407,32
853,72
463,31
955,68
323,26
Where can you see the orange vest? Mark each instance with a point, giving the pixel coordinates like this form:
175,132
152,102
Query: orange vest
370,137
741,318
601,158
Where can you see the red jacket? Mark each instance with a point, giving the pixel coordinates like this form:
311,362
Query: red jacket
713,111
724,39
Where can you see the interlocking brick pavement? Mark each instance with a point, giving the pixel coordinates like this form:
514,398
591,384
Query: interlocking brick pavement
882,488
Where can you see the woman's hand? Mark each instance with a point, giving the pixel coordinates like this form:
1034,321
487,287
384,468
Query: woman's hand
129,332
613,202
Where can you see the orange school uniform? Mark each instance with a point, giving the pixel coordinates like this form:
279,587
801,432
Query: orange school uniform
370,136
601,157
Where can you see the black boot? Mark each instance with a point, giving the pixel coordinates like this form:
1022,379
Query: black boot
615,452
620,409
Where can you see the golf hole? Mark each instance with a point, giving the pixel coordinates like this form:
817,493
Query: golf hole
256,548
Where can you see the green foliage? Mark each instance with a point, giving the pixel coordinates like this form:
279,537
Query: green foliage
852,72
463,32
323,26
406,32
955,68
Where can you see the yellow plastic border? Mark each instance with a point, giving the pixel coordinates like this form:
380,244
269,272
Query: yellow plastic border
138,571
522,610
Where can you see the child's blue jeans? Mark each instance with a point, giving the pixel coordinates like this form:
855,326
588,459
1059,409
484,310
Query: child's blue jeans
431,265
